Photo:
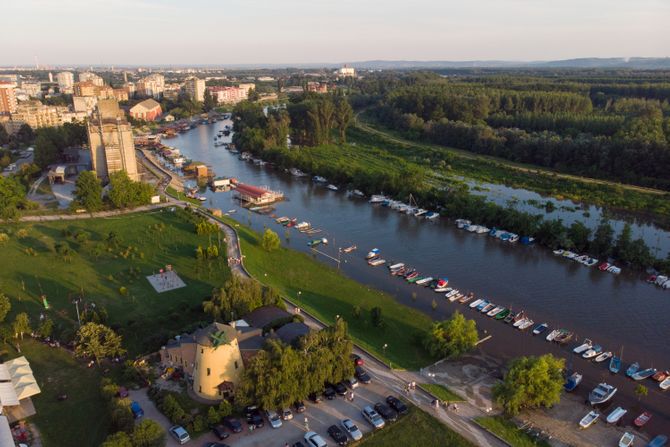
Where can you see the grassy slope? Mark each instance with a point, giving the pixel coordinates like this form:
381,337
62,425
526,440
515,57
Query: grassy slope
509,432
415,429
326,293
441,392
143,315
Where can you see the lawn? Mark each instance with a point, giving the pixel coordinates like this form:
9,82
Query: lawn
326,293
415,429
441,392
82,419
509,432
98,271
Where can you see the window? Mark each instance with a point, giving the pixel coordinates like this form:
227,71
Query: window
202,351
208,371
236,365
200,389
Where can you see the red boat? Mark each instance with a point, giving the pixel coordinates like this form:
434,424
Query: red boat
604,266
642,419
412,275
292,223
661,376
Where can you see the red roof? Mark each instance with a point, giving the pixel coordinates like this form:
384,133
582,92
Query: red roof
253,191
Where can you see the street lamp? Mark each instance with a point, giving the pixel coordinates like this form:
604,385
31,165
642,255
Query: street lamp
384,349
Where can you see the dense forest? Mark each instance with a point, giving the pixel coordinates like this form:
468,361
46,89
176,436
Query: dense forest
616,129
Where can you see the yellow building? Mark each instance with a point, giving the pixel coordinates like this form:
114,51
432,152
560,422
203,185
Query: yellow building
218,361
110,138
38,115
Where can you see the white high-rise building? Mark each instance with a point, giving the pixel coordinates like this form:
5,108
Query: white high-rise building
65,81
153,86
195,88
90,76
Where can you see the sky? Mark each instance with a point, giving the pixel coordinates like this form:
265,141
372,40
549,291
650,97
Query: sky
189,32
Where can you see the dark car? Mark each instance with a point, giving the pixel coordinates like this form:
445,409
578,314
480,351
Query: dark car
397,404
220,431
329,392
362,376
314,397
341,388
386,412
338,435
254,416
299,407
358,361
233,424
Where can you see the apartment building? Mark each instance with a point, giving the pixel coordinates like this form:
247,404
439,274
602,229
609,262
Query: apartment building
7,97
195,88
151,86
65,80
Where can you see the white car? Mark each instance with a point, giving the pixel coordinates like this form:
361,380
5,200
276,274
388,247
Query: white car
352,429
286,414
180,434
314,440
273,418
373,417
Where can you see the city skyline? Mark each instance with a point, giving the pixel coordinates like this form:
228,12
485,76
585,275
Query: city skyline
300,32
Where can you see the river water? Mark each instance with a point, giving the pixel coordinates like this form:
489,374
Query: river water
614,311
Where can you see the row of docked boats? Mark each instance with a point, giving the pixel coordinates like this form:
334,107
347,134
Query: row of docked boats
323,181
661,281
587,261
303,227
503,235
410,208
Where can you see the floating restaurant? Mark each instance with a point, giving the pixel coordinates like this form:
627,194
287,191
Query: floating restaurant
254,195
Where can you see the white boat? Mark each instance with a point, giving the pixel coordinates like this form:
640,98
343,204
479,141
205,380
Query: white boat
520,322
604,356
332,187
430,215
295,172
588,344
420,212
602,393
444,289
513,238
302,226
495,311
319,179
424,281
553,334
476,303
526,324
593,352
472,228
397,266
481,229
665,384
616,415
462,223
614,269
453,298
489,307
626,440
357,193
375,198
376,262
589,419
372,253
558,252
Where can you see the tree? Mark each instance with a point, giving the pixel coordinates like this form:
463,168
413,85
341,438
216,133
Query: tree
124,193
601,245
21,325
343,116
119,439
641,391
88,191
208,102
45,328
25,134
213,416
148,434
624,244
5,306
376,316
12,197
579,234
270,241
97,341
453,337
4,136
253,95
530,382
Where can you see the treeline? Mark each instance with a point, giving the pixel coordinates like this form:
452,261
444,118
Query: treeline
562,123
51,142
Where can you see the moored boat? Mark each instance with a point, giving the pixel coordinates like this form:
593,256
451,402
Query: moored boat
315,242
643,374
396,266
658,441
616,415
552,335
540,328
476,303
602,393
495,311
626,440
632,369
510,317
482,305
349,249
412,276
424,281
564,336
281,220
642,419
487,308
332,187
661,376
604,356
585,346
615,365
665,384
572,382
503,314
526,324
467,297
372,253
593,352
376,262
589,419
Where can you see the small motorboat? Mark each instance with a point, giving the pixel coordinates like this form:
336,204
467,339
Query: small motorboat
604,266
572,382
372,253
585,346
414,278
643,374
503,314
632,369
661,376
602,393
303,226
332,187
411,274
604,356
489,307
482,305
665,384
642,419
540,328
593,352
466,298
589,419
519,322
451,292
616,415
476,302
510,317
564,337
615,365
316,242
396,266
552,335
626,440
453,298
518,317
526,324
658,441
424,281
558,252
349,249
495,311
281,220
376,262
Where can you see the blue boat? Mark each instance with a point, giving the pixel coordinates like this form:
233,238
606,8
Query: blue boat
505,236
574,380
632,369
483,304
615,365
658,441
493,231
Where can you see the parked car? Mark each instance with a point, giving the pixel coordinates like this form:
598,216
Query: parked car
341,388
314,440
338,435
386,412
286,414
220,431
233,424
254,416
351,382
397,404
138,412
299,406
373,417
352,429
362,375
358,361
180,434
329,392
273,418
314,397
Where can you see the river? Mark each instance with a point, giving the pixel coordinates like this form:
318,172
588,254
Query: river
614,311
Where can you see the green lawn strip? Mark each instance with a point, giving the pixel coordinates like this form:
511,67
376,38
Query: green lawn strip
181,196
325,293
441,392
82,419
506,429
415,429
148,241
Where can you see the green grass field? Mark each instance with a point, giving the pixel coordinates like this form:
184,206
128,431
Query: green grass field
441,392
509,432
147,242
415,429
325,292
